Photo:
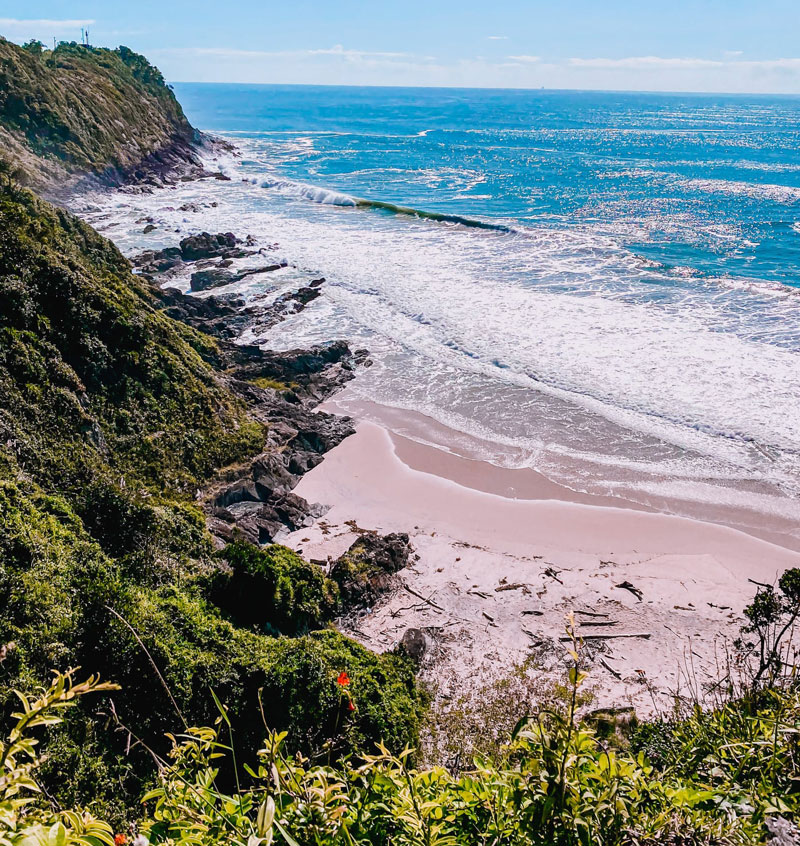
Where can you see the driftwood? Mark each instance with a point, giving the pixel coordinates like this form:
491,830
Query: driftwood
533,613
590,613
609,636
626,585
598,622
553,573
514,586
427,600
617,675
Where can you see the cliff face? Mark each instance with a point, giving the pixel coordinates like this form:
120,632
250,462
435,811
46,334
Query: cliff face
115,418
78,110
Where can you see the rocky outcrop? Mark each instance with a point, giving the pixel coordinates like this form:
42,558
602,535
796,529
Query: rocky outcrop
367,569
281,389
81,114
205,246
223,316
218,276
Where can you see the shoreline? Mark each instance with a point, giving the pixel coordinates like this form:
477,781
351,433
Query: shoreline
557,555
422,443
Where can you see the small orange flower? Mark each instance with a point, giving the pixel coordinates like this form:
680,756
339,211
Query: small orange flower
350,706
343,679
120,840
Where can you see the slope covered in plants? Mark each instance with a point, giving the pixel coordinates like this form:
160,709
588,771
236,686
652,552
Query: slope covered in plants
87,110
112,416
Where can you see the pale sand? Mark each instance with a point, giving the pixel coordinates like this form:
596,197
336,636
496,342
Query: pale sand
471,542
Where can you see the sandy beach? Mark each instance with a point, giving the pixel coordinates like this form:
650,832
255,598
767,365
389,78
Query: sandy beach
500,575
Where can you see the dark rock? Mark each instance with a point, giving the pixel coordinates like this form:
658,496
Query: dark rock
216,277
221,315
781,832
365,571
615,724
151,227
158,261
206,245
414,643
268,268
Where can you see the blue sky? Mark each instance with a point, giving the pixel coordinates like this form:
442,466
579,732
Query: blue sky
720,45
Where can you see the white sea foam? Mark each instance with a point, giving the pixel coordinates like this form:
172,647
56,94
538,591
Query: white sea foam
536,341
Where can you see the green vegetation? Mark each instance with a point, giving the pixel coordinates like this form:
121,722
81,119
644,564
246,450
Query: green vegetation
112,416
88,109
719,776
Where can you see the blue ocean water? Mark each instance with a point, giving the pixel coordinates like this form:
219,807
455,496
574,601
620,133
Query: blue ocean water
604,287
709,182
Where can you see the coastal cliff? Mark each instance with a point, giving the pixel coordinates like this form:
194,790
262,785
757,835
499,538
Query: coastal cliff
88,112
125,433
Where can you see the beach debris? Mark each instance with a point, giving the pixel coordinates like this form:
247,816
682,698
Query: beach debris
537,640
490,619
532,613
590,613
615,673
512,586
354,527
479,593
597,622
626,585
426,599
721,607
609,636
553,574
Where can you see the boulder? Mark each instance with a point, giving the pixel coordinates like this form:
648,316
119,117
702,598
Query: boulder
158,261
206,245
216,277
414,643
365,571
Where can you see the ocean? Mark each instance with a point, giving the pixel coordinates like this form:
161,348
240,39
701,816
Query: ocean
603,287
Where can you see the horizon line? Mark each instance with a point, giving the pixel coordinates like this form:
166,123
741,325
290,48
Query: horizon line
494,88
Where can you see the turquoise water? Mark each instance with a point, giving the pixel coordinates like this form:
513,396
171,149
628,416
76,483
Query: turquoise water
604,287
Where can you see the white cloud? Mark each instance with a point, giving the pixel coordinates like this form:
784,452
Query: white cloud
644,63
497,37
337,51
340,65
43,23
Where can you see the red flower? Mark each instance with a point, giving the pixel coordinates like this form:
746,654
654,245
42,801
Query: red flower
343,679
350,706
120,840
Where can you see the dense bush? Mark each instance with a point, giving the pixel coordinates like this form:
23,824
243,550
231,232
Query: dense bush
561,786
111,417
273,589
